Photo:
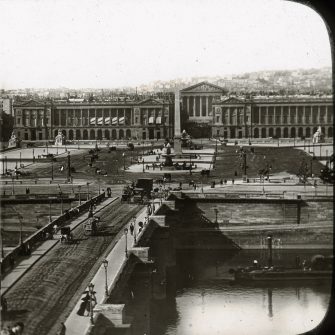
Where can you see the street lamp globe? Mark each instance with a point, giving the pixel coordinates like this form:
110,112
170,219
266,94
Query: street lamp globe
125,231
105,263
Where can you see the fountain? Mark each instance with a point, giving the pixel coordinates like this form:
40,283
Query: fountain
166,153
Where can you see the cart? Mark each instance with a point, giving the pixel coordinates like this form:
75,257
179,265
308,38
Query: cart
66,235
91,226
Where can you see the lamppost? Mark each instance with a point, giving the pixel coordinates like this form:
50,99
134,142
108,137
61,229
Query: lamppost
90,289
61,202
21,237
13,191
2,249
33,156
216,215
69,177
50,219
124,161
190,165
20,159
134,222
88,190
153,271
79,188
125,234
52,169
105,264
143,163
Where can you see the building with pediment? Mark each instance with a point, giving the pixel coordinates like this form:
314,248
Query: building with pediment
197,107
148,119
279,117
207,111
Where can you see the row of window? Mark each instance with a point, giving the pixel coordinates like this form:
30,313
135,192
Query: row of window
275,120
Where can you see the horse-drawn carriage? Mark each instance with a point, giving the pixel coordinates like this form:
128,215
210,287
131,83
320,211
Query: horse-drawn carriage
66,235
91,226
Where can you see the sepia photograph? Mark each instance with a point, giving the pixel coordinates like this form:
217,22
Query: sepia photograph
166,167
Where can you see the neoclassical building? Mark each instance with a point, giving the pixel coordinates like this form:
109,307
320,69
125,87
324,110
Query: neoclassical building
148,119
197,107
272,117
207,112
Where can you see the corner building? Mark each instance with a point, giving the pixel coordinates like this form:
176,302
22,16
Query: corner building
148,119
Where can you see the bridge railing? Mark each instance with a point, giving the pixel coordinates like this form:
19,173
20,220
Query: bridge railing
39,235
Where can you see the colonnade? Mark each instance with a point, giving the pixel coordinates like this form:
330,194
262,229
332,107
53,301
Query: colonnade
198,105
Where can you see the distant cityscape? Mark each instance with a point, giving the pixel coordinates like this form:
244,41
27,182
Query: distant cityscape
288,82
259,104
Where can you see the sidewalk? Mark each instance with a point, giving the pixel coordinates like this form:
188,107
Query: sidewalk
79,325
20,269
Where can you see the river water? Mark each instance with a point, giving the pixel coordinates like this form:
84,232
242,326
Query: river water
196,296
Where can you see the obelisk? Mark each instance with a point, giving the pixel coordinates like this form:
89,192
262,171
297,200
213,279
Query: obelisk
177,130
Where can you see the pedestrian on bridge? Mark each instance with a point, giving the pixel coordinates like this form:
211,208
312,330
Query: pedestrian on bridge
131,227
55,227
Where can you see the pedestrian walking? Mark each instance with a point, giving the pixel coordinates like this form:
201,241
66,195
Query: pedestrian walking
233,181
131,228
55,228
85,301
28,250
148,210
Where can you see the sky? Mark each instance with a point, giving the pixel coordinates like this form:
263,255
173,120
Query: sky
116,43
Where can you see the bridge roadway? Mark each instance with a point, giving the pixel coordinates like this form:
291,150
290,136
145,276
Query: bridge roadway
79,325
48,292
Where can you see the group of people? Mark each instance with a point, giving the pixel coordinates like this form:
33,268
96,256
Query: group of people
16,329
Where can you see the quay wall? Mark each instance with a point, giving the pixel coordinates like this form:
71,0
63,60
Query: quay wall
267,213
305,224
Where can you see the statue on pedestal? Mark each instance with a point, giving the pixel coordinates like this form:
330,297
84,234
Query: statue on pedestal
13,141
318,137
185,138
60,138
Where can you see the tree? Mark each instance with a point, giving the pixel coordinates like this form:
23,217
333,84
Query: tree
6,129
303,171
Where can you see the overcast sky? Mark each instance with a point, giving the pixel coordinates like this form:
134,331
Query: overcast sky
114,43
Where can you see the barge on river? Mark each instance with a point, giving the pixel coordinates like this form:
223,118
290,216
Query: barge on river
319,268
